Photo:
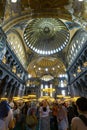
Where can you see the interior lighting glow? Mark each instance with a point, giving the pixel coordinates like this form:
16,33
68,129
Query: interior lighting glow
39,68
80,0
63,45
40,51
33,48
29,45
54,51
53,68
29,76
26,40
36,50
59,49
46,52
13,1
46,86
46,69
66,40
63,92
34,66
43,52
49,52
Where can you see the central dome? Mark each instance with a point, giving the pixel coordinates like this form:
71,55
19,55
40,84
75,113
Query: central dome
46,36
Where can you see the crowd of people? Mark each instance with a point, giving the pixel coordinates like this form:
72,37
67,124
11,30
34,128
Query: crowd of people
43,115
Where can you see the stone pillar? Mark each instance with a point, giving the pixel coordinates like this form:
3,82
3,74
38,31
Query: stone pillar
10,90
5,86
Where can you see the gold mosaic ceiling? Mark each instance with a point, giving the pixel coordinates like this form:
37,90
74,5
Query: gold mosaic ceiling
45,66
12,15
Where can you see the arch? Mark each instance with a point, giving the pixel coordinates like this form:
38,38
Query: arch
17,45
77,43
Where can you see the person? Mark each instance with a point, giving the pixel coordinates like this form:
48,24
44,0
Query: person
11,102
80,122
6,115
54,123
31,119
44,121
62,118
4,109
71,112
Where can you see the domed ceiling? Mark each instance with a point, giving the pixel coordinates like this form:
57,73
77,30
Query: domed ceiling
46,36
43,32
46,66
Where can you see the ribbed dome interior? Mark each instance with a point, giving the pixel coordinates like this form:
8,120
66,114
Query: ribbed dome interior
46,35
